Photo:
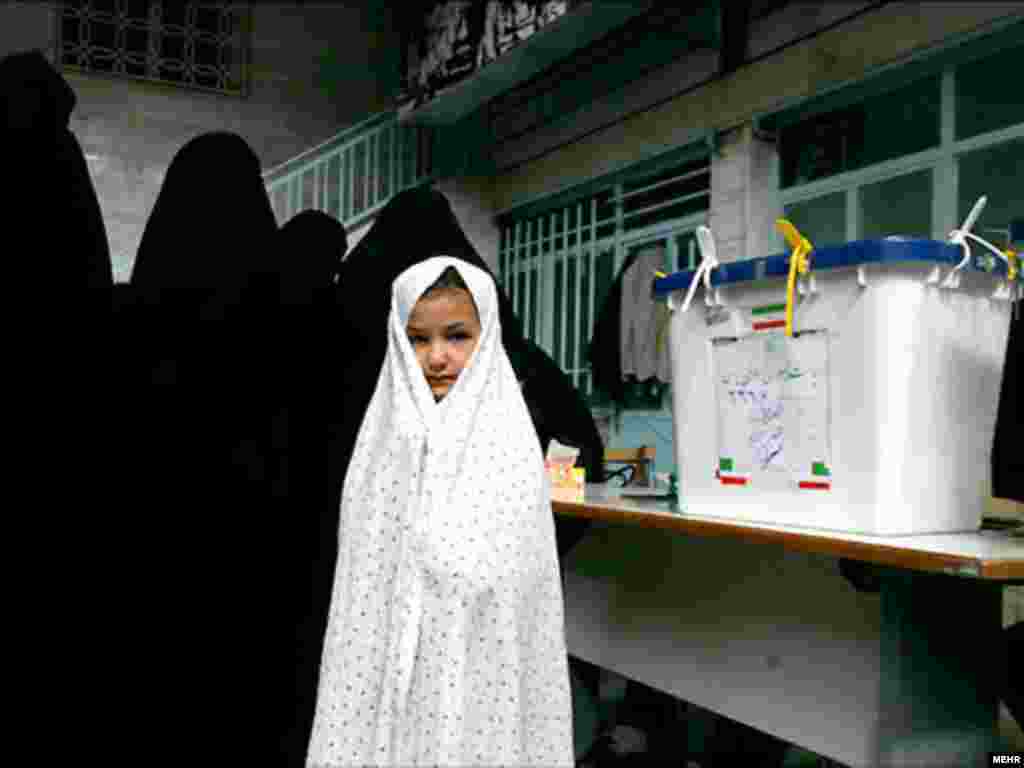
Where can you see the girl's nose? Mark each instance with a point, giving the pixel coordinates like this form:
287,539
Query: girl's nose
438,354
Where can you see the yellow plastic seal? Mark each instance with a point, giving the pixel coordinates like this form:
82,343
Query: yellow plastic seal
799,261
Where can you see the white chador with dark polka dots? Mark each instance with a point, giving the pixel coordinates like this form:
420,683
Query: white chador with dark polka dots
445,644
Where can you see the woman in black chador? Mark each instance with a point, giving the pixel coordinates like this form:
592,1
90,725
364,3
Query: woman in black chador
305,335
218,543
63,529
1008,483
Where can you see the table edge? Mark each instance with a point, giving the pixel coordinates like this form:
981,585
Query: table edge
878,554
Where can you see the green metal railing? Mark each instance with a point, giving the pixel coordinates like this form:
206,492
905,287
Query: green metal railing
352,175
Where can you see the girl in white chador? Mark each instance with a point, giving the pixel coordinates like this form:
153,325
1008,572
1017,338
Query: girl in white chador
445,644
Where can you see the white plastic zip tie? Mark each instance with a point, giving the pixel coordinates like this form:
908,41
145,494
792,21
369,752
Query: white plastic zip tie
708,261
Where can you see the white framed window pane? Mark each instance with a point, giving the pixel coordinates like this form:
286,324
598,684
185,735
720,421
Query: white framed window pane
604,275
687,252
884,127
898,206
571,302
821,220
987,95
586,320
559,314
998,173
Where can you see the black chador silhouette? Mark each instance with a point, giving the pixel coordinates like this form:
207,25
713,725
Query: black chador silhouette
218,543
308,340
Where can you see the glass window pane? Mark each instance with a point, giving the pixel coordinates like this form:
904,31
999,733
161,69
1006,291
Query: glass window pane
359,199
900,123
570,316
558,320
985,94
521,297
371,170
384,154
996,172
604,269
308,185
688,255
347,169
334,186
884,127
585,321
679,210
585,211
535,309
821,220
899,206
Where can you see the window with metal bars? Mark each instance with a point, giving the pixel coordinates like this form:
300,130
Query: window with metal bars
558,267
199,45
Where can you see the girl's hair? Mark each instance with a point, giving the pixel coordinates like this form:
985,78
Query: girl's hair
450,278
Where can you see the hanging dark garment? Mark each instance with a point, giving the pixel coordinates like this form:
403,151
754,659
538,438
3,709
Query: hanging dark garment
218,542
1007,456
605,350
64,529
308,257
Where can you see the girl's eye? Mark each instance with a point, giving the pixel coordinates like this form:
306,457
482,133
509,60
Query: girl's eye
414,340
459,336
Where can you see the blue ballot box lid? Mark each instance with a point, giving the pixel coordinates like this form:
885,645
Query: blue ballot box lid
887,251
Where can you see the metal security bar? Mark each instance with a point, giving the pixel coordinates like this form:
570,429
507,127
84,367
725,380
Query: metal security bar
201,45
557,267
352,175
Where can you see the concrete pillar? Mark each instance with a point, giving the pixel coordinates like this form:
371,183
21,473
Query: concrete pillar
744,196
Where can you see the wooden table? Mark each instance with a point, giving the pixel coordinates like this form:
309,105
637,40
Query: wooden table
755,622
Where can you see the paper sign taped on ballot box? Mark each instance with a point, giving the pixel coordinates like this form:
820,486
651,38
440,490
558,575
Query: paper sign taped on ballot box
772,399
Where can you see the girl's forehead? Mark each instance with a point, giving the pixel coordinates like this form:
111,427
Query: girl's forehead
442,303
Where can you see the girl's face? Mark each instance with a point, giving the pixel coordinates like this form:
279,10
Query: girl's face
443,329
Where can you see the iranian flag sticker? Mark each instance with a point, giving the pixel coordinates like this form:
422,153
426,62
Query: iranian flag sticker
822,478
727,475
768,317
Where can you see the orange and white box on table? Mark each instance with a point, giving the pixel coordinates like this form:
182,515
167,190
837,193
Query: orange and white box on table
567,481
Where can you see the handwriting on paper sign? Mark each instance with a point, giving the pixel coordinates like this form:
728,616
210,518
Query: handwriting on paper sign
767,445
756,393
765,410
772,403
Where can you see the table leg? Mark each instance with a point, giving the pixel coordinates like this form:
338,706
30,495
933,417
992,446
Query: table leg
941,665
